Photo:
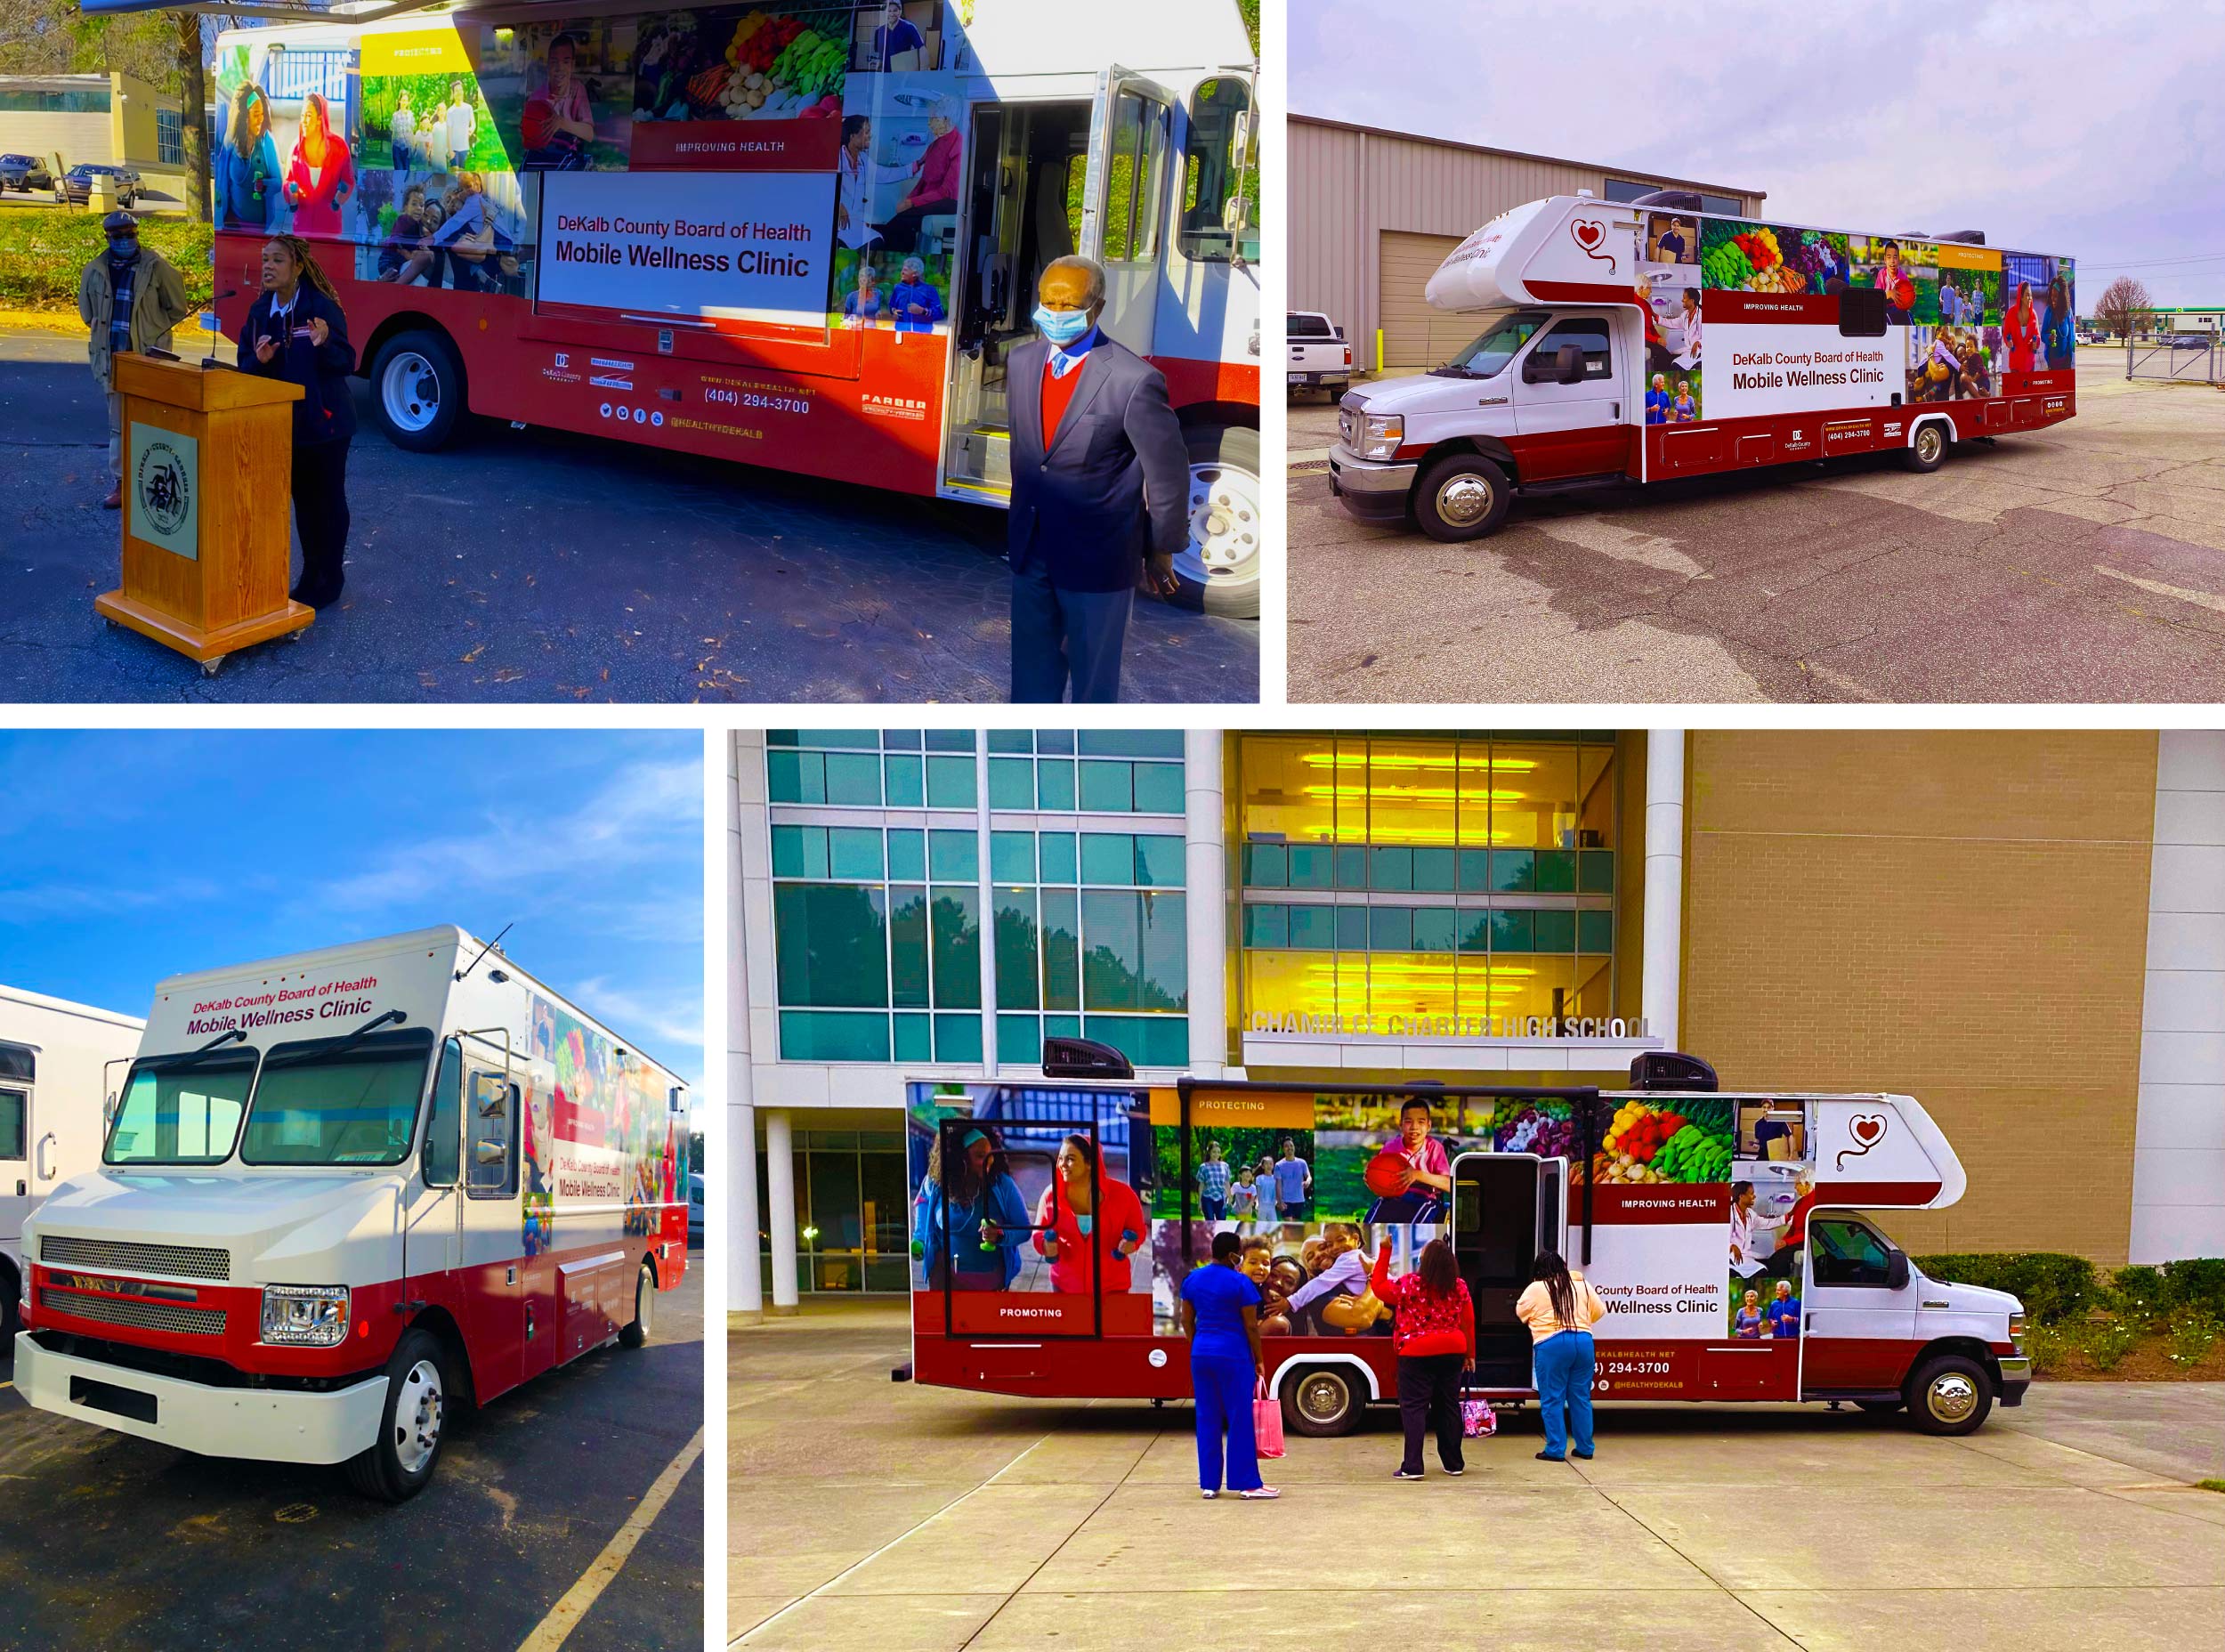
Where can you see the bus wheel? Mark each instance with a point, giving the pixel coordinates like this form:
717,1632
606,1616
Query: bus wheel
400,1460
1219,568
418,390
644,1305
11,1315
1323,1401
1926,452
1949,1395
1464,495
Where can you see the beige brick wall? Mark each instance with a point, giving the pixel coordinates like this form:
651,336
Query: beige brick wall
1961,917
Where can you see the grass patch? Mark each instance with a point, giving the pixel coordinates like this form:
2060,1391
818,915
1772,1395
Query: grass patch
45,249
2210,1486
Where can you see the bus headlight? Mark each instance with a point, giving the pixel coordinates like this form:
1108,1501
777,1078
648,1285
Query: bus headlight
1380,434
305,1315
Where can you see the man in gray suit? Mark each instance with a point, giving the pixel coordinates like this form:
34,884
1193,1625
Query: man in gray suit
1100,492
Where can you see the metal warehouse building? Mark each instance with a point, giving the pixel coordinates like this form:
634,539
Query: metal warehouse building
1373,213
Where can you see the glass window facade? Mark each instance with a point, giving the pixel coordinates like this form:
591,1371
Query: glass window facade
878,929
1465,875
853,1230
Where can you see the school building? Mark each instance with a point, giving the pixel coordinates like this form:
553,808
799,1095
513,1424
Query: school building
1374,213
2024,929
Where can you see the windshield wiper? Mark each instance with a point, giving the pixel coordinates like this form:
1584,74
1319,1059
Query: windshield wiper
1451,371
362,1032
170,1063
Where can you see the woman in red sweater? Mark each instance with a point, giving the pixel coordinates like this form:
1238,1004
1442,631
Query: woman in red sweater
1073,1227
1435,1340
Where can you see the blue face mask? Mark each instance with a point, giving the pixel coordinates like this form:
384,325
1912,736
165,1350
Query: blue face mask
1061,327
125,246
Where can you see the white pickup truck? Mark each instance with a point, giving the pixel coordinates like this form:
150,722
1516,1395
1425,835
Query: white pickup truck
1320,358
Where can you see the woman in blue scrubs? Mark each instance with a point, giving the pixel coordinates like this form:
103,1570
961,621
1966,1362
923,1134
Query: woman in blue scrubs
1221,1316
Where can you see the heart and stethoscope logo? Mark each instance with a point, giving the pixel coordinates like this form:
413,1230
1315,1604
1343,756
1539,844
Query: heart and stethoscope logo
1868,1130
1589,233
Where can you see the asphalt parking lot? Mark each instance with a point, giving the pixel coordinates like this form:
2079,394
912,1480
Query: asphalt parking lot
864,1513
110,1544
2085,563
540,566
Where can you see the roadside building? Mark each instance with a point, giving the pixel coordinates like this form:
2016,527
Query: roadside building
1374,213
111,119
2025,929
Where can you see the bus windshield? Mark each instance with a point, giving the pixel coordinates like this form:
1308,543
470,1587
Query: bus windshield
183,1109
333,1101
1504,334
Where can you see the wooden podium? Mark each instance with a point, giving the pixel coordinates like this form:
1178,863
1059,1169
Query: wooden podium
208,505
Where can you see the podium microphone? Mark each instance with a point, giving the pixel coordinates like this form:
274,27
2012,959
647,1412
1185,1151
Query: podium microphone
208,321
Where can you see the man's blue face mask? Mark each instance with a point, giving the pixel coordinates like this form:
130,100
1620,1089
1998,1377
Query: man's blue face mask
1061,327
124,246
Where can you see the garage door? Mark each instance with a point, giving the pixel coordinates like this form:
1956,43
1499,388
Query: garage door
1413,333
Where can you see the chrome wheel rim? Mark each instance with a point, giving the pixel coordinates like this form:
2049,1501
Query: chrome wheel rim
1323,1398
1464,500
417,1416
1928,442
410,391
1953,1397
1224,545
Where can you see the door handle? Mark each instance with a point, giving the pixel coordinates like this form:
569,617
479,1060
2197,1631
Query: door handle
45,1174
1618,412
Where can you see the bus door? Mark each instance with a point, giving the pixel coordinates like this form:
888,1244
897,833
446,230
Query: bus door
1123,200
990,1178
1858,1309
1503,1214
17,1130
1022,209
492,1269
433,1213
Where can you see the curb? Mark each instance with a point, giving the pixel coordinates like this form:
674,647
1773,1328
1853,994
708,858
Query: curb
66,321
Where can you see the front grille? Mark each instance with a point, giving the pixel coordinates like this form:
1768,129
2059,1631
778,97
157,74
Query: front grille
178,1261
1348,427
109,1310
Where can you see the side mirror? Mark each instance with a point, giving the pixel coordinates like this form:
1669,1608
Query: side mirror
1572,364
1897,1271
494,1152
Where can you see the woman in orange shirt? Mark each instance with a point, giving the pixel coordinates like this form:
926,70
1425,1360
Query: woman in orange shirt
1074,1223
1560,1307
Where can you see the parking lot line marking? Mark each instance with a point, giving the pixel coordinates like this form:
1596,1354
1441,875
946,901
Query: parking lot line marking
564,1616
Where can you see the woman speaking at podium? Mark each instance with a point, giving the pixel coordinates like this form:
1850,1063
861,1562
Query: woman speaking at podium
296,331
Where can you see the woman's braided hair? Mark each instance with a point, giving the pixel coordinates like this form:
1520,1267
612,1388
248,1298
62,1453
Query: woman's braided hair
298,250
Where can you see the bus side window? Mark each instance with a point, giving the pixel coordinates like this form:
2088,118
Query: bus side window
1219,155
492,1124
1847,1253
15,1106
1862,313
440,1119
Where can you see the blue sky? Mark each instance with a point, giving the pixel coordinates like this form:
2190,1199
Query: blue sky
126,856
2098,131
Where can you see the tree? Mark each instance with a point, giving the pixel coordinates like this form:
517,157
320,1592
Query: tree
2126,307
187,44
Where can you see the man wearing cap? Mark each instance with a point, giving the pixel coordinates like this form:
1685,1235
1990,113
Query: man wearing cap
1100,492
129,297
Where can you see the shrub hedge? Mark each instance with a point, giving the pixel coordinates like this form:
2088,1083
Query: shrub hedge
43,250
2054,1287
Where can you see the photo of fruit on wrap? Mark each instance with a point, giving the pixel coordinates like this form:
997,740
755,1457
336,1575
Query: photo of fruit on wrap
742,63
1687,1140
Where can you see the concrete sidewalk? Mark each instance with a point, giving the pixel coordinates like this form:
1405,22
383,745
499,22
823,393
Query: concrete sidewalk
867,1512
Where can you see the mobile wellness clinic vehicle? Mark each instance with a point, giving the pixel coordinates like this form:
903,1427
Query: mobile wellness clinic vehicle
1677,1202
346,1192
804,236
60,1064
1643,342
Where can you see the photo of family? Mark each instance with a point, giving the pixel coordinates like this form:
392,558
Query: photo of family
423,111
1314,1279
1259,1177
468,232
286,137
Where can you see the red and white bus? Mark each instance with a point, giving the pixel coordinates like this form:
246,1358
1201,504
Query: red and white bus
1676,1201
1643,342
803,234
344,1192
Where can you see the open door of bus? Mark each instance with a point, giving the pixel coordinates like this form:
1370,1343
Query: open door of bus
1506,1208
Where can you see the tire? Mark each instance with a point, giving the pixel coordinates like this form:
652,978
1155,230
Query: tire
1950,1394
398,1465
1461,496
644,1308
1880,1407
10,1319
1927,451
1322,1402
1219,568
417,393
